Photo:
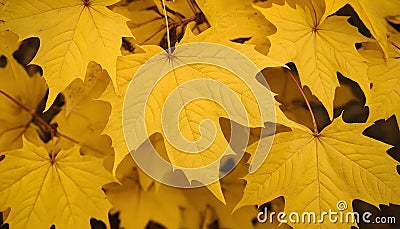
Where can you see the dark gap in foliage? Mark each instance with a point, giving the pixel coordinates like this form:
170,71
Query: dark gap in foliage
177,29
386,131
241,40
33,68
127,45
395,26
27,50
214,225
48,115
354,110
154,225
354,19
270,210
114,220
292,102
386,211
25,54
97,224
3,61
2,224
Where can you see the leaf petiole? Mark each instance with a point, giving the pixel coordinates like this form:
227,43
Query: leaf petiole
307,102
166,22
46,126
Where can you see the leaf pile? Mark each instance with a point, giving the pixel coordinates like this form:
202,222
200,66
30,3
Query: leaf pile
332,65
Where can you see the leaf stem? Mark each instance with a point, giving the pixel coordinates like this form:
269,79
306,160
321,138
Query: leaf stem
15,101
307,102
166,22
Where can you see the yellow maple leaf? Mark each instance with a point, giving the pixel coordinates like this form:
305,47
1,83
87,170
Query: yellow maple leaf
177,208
19,86
126,69
71,33
247,21
232,185
384,78
128,65
385,92
319,47
147,20
314,173
162,205
372,13
41,191
84,117
180,74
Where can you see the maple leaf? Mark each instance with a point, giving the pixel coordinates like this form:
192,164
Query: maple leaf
71,33
38,188
147,20
177,208
319,47
162,205
18,90
214,210
84,117
372,13
126,69
385,92
383,76
193,113
311,171
247,21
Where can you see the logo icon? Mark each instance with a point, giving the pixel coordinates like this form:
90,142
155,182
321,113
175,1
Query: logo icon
196,72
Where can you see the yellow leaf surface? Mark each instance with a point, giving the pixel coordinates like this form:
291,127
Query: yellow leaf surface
162,206
314,173
247,21
126,69
26,90
84,117
147,20
65,191
128,65
71,33
385,92
319,48
232,185
177,208
209,148
372,13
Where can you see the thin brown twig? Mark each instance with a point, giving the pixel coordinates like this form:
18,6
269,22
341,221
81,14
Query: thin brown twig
15,101
307,102
184,21
47,127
